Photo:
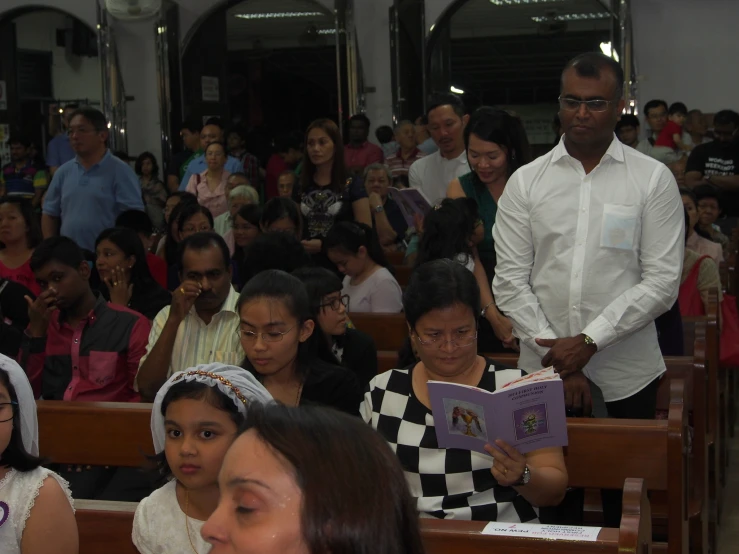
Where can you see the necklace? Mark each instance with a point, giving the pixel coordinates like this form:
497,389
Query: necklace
187,523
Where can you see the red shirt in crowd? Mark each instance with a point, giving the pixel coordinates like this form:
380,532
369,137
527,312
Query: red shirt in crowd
362,156
665,137
157,268
21,275
275,166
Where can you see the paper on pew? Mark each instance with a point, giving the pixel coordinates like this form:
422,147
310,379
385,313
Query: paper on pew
550,532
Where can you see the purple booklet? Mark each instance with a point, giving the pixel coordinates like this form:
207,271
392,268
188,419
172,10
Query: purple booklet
528,413
411,202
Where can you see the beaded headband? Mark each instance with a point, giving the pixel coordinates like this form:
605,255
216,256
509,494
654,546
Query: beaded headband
220,378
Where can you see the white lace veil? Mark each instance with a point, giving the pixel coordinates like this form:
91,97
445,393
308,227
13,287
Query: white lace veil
26,403
235,382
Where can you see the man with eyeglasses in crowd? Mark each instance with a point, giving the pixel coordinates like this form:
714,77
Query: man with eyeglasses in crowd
589,243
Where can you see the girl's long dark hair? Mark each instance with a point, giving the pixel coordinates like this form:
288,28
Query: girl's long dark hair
338,170
447,230
351,236
130,244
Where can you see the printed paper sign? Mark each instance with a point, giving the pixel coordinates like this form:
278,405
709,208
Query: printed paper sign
550,532
210,89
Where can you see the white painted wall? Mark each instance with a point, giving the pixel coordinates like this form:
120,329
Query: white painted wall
686,51
73,77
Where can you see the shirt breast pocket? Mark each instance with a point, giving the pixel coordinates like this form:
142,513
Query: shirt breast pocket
619,226
228,358
102,367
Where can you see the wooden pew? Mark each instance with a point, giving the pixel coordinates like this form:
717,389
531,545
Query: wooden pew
395,258
403,274
388,330
106,527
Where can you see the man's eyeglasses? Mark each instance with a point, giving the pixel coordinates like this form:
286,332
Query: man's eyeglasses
573,104
269,336
7,410
461,340
336,303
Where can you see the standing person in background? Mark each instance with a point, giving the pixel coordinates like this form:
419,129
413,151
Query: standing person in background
236,143
423,139
359,152
19,235
89,192
406,152
152,189
60,150
209,186
190,135
211,132
326,194
288,156
432,174
22,177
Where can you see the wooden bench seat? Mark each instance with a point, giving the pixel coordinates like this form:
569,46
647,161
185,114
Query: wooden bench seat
106,527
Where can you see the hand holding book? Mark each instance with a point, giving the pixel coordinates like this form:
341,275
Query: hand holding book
509,463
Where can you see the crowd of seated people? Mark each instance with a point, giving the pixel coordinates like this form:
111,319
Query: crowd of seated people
226,299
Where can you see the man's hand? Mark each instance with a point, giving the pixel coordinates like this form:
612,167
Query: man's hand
375,200
39,312
567,355
183,299
577,394
503,329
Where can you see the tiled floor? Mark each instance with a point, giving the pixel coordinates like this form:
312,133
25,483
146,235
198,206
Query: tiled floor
728,537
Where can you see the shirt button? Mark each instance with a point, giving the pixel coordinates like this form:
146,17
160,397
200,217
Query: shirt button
70,388
76,341
75,368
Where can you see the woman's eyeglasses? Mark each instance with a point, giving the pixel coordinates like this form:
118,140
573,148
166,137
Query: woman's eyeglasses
269,336
7,410
461,340
336,303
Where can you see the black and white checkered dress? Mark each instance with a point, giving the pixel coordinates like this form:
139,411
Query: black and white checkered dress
448,483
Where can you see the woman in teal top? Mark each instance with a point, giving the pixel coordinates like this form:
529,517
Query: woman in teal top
496,146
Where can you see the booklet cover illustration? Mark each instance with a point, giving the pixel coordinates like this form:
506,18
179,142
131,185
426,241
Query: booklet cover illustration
528,413
411,202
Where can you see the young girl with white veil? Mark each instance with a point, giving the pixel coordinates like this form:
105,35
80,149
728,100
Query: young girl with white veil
35,504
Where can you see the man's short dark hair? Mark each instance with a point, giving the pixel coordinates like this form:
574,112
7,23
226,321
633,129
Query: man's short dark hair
20,139
627,120
58,249
95,117
360,117
290,140
136,220
726,117
654,104
590,64
193,125
202,241
384,134
72,106
215,121
452,100
708,191
678,108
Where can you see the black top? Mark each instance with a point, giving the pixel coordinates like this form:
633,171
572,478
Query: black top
395,217
13,316
333,386
359,355
716,158
321,206
148,301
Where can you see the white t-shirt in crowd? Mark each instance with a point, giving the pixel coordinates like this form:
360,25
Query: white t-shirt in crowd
433,173
379,293
159,525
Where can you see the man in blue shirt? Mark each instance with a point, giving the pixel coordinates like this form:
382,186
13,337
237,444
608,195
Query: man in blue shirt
88,193
60,150
211,132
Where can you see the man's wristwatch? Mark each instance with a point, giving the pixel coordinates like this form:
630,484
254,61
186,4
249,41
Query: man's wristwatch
589,341
525,478
378,209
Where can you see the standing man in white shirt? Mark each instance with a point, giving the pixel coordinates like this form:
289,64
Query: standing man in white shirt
432,174
589,243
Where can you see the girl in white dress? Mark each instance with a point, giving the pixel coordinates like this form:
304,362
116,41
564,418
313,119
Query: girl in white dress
194,420
35,503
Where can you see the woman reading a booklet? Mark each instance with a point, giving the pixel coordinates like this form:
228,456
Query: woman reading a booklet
442,303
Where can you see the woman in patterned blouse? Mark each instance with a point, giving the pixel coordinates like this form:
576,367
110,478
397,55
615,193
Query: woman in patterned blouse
441,305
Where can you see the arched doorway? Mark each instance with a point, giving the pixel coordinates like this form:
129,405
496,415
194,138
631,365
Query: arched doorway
509,54
48,59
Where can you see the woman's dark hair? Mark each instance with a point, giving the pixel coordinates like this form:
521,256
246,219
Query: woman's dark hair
171,241
275,251
193,390
684,191
335,457
406,356
130,244
140,161
437,285
350,236
278,208
687,223
447,230
15,455
338,170
223,146
319,282
190,210
33,229
278,285
493,125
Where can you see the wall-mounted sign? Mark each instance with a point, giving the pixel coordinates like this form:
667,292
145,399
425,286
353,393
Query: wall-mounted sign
210,88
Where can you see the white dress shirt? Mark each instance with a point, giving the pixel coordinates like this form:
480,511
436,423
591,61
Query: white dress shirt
433,173
599,254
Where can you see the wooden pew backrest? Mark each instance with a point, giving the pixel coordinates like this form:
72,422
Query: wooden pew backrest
105,527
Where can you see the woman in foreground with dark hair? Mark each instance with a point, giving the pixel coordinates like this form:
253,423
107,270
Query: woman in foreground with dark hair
124,274
279,336
441,305
35,503
318,482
